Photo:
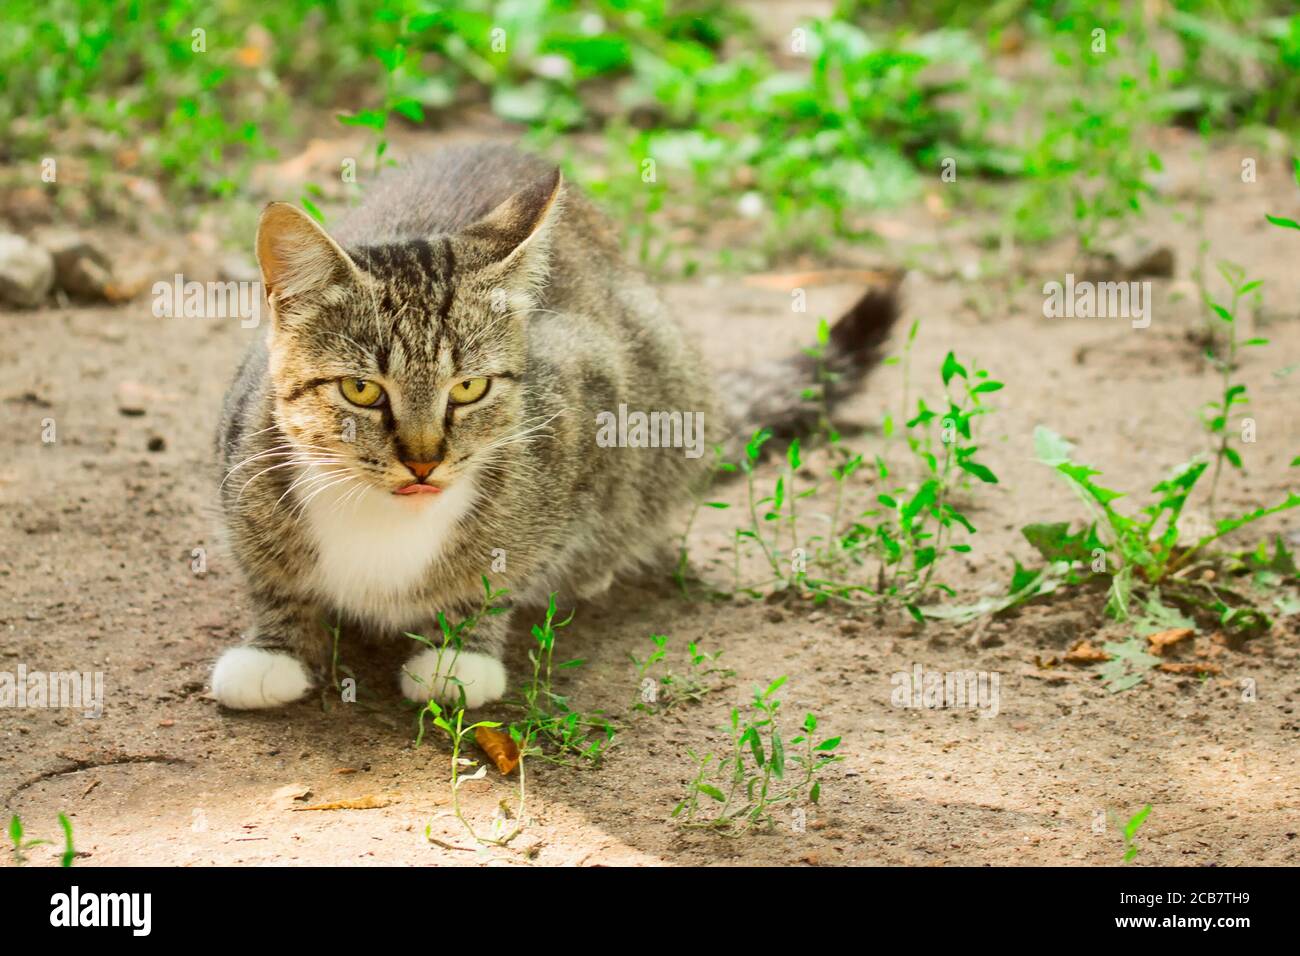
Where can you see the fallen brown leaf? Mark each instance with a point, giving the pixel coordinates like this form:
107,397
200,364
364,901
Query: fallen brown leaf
1084,653
1166,639
802,280
369,802
1189,667
498,745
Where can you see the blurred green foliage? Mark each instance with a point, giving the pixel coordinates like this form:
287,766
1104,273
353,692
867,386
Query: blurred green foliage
808,130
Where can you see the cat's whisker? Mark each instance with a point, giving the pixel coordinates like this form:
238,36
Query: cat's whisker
260,431
522,435
301,507
315,481
532,428
308,477
353,497
280,450
297,460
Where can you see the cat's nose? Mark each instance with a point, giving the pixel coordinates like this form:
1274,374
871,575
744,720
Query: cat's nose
421,469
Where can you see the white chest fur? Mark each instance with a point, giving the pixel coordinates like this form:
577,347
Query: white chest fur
374,548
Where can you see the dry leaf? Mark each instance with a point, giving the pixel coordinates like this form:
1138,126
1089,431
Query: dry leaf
498,745
802,280
1166,639
1084,653
1189,667
369,802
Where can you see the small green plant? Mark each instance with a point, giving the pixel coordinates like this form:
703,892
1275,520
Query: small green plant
903,539
69,851
1232,394
17,836
549,729
753,452
660,689
1130,830
21,844
451,721
738,790
453,635
1144,558
1282,221
560,731
912,529
904,361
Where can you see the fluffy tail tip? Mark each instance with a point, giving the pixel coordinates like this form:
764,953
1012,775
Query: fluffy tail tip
856,338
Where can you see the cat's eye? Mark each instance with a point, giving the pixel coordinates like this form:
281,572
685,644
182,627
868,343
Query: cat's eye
360,392
468,390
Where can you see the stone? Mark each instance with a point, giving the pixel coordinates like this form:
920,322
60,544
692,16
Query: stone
80,269
26,272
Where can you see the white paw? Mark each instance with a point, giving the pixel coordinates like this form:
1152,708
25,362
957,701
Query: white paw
251,678
482,677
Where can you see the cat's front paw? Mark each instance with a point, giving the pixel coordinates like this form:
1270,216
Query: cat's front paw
254,678
482,677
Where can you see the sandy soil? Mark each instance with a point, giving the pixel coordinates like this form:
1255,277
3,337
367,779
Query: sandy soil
97,532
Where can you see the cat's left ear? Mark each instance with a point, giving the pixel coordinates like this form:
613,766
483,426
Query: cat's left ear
515,237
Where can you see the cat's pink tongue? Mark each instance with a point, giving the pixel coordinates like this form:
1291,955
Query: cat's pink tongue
417,489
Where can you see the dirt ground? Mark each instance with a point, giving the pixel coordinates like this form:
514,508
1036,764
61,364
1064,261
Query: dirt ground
97,531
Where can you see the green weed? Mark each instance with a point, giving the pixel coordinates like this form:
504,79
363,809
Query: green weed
451,721
911,529
548,718
738,790
1232,394
22,843
1142,557
1130,830
549,728
660,688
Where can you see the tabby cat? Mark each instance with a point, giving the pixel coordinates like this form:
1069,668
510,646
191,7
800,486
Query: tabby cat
423,411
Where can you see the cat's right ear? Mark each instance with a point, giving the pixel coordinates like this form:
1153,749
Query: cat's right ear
297,257
513,240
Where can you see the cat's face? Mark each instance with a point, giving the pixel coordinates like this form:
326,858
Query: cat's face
401,367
